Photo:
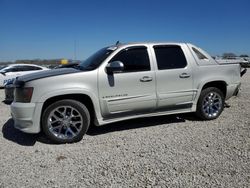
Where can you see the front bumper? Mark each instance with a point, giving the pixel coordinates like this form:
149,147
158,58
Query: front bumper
26,116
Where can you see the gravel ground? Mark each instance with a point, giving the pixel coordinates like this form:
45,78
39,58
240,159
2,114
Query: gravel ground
167,151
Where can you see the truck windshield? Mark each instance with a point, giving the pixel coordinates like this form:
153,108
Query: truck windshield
97,58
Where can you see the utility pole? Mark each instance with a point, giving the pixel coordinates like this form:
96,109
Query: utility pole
74,50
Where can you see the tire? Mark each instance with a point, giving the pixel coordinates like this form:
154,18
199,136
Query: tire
65,121
210,104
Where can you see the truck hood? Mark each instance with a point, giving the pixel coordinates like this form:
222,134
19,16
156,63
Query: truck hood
44,74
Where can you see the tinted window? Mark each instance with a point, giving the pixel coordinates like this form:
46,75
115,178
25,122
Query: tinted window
19,68
7,70
199,54
13,69
97,58
170,57
134,59
29,68
2,67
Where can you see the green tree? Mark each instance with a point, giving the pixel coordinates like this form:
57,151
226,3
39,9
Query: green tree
229,55
244,55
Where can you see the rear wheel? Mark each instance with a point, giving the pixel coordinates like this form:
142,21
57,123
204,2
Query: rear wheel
65,121
210,104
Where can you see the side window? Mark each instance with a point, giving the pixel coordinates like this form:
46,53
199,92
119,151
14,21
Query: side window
170,57
35,68
30,68
14,69
199,54
8,70
18,68
134,59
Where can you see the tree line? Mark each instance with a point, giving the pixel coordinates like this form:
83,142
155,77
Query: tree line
231,55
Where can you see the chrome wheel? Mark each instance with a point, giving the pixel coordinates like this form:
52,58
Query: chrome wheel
212,104
65,122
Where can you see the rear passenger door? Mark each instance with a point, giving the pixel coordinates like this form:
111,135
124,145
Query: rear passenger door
174,78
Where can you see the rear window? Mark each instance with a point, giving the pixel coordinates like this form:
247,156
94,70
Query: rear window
170,57
199,54
30,68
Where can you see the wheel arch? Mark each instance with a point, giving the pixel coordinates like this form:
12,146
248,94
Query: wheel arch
221,85
83,98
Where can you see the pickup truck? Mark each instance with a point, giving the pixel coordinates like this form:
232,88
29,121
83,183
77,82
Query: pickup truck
121,82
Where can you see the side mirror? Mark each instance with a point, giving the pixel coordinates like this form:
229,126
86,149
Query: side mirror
3,73
115,66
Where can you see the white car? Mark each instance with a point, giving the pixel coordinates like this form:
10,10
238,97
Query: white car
10,72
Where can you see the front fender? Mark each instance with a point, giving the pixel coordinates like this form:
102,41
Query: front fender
70,91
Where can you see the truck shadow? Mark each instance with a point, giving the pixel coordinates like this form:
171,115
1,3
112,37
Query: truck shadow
136,124
24,139
6,102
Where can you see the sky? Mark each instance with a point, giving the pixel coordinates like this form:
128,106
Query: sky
52,29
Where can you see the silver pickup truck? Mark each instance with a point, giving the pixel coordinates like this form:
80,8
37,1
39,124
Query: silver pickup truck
122,82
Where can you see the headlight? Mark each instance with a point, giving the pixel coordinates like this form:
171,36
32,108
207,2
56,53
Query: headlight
23,94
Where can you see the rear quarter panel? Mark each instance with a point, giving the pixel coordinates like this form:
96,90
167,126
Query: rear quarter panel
229,74
209,70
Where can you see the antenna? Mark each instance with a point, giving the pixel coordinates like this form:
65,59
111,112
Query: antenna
118,42
75,50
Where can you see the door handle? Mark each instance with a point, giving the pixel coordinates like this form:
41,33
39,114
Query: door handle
184,75
146,79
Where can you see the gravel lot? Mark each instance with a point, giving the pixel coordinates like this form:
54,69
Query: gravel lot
167,151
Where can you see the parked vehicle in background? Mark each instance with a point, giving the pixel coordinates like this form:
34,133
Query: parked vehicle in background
243,61
10,72
2,66
9,86
9,92
122,82
246,64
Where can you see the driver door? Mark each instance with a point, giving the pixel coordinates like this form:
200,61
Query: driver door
131,91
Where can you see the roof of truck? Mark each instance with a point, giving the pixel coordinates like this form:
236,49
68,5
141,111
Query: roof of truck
149,43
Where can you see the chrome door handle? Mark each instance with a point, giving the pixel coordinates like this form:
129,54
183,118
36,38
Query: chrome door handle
146,79
184,75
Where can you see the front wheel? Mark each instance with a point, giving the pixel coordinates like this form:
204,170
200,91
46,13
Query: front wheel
65,121
210,104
